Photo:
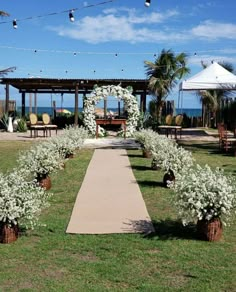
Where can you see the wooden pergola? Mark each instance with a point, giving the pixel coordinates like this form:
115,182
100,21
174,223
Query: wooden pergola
70,86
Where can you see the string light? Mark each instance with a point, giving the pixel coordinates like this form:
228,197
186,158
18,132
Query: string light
38,50
70,11
147,3
71,16
14,23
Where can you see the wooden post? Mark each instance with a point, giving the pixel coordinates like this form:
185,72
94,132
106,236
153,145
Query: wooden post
141,103
30,102
144,101
7,99
76,104
105,107
35,103
23,104
54,109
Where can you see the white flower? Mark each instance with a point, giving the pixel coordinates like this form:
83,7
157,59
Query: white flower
203,193
21,201
41,160
111,90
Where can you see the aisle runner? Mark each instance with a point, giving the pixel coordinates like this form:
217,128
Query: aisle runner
109,200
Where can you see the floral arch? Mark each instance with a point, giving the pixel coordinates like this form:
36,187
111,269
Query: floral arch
102,92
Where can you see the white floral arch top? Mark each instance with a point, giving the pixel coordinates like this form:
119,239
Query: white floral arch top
102,92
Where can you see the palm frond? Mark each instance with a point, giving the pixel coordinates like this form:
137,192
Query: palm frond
7,70
4,13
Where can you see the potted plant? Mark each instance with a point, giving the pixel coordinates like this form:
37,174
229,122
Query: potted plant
205,197
76,134
21,202
65,146
146,138
40,161
170,157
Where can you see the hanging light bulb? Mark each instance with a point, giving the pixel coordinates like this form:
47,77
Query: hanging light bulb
71,16
147,3
14,23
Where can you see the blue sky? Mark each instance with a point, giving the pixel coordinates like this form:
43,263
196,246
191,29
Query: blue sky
112,40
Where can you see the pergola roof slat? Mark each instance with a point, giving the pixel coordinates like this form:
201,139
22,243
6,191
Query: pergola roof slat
53,85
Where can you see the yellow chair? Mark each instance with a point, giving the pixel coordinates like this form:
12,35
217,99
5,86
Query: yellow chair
167,128
169,119
179,120
35,127
178,125
48,125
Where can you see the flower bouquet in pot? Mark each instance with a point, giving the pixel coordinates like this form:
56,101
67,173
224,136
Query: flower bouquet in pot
145,138
171,158
65,146
206,197
21,202
40,161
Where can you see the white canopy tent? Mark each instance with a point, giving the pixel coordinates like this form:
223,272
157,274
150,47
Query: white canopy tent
212,77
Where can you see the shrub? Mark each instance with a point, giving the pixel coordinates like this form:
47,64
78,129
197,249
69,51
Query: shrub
41,160
204,194
21,201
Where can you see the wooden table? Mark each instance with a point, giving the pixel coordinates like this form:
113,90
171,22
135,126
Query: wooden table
111,122
169,129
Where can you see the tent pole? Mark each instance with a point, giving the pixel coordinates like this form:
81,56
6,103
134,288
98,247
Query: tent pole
178,99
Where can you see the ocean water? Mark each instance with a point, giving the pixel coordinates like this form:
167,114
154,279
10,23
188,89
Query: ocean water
190,112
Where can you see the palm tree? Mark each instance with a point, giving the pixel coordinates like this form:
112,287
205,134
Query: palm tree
213,99
164,74
7,70
10,69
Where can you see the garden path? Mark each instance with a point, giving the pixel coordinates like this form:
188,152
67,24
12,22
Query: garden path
109,200
188,134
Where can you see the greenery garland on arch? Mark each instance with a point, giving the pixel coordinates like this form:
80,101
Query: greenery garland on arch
101,92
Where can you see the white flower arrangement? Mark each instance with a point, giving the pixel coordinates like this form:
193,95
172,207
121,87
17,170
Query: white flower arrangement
204,194
146,138
172,158
72,139
21,201
111,90
76,134
41,160
64,146
165,152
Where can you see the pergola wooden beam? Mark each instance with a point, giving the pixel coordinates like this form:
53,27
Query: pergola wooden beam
72,86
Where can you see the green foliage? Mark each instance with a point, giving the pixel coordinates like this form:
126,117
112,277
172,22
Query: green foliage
64,120
145,121
4,121
164,74
21,126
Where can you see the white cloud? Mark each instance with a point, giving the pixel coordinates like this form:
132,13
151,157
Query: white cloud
214,30
126,25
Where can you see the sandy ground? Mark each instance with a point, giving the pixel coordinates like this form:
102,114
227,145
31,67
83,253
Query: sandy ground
190,134
109,200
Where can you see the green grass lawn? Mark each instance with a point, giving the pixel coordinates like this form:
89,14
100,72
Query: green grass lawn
48,259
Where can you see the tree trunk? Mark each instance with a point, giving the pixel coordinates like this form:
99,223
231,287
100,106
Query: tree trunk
159,111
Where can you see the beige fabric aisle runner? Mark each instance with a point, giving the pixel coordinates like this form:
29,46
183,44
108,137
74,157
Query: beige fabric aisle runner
109,200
